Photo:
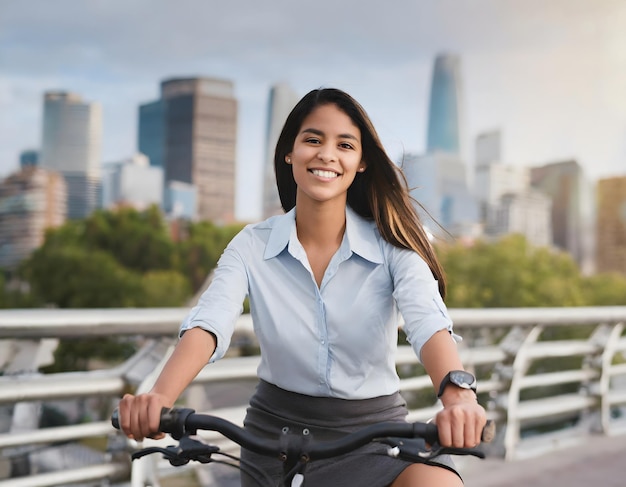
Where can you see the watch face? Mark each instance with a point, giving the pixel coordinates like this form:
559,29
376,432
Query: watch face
462,378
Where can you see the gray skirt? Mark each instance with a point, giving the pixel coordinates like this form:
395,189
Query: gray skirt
271,409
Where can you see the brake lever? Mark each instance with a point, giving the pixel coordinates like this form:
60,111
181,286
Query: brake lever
186,450
416,449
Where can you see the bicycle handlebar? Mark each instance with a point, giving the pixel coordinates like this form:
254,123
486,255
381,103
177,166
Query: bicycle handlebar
179,422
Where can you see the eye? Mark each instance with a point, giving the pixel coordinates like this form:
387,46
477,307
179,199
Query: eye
312,140
346,145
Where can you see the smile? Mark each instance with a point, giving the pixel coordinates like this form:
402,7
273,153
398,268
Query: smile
324,174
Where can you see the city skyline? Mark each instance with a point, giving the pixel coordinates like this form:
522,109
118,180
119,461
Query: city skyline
550,76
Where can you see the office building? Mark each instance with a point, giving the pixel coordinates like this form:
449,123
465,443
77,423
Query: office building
181,201
438,183
29,158
611,225
573,209
445,113
494,180
488,148
31,201
281,100
132,183
71,146
192,132
526,213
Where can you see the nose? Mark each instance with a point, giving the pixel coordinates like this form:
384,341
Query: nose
326,154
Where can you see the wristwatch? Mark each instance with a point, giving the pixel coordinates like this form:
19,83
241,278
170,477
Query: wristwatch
459,378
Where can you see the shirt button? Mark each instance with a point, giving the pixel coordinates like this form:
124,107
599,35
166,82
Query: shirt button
323,342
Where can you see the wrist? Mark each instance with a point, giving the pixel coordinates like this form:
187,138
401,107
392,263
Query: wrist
456,395
457,380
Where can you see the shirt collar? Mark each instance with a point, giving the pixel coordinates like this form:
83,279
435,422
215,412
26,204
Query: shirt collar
361,235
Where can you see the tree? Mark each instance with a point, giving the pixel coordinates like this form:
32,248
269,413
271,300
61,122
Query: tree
75,277
199,253
509,273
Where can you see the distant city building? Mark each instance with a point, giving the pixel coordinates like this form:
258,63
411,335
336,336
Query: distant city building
445,116
181,200
192,133
488,148
29,158
71,145
573,209
438,182
281,100
31,201
611,225
526,213
151,138
132,183
494,180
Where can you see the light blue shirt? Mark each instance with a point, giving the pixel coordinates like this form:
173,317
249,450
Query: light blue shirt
336,340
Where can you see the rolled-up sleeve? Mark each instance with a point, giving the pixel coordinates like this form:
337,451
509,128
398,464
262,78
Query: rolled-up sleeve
221,304
416,292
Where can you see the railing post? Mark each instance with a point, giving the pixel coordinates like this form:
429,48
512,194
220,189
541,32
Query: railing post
518,345
605,377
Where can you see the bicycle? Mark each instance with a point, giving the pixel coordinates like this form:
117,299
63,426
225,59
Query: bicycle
416,441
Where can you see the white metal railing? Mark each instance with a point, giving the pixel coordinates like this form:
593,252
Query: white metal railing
503,346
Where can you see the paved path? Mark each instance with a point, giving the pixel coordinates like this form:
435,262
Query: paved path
601,462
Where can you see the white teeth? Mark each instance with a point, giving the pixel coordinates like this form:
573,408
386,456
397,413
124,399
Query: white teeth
324,174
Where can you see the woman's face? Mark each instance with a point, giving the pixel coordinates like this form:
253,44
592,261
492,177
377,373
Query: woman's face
326,155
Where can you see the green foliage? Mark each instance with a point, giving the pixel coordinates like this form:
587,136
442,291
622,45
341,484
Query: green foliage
76,355
164,289
138,240
509,273
74,277
608,289
199,253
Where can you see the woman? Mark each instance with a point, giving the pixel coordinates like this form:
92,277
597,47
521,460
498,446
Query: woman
327,282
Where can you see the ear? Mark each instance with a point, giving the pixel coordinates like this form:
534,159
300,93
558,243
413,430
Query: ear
362,166
288,158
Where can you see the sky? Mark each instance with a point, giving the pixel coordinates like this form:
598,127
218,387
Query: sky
550,75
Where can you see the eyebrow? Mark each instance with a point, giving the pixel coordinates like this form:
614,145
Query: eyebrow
320,133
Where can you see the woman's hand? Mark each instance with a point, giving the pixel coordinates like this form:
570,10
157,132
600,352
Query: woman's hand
462,420
139,416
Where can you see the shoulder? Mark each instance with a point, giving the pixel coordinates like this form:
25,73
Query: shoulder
255,236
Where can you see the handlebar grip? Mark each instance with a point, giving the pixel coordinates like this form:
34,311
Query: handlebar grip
489,432
172,421
115,419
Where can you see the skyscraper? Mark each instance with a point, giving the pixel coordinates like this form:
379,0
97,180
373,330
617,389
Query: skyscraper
72,138
132,183
281,100
31,201
611,225
192,132
438,182
572,209
445,117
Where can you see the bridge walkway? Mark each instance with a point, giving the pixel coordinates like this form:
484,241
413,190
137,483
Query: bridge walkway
599,462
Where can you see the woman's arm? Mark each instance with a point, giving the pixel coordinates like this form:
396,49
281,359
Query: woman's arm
462,420
140,415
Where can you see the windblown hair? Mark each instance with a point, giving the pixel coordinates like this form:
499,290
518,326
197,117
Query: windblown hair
380,193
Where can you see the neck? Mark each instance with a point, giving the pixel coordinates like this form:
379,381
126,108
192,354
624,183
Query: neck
321,224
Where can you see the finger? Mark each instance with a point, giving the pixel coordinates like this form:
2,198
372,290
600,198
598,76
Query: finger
444,429
469,437
123,409
154,417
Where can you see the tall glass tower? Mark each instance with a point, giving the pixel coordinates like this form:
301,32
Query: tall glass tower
444,116
191,132
281,101
71,144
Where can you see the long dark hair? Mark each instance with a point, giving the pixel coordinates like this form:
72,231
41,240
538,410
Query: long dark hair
379,193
